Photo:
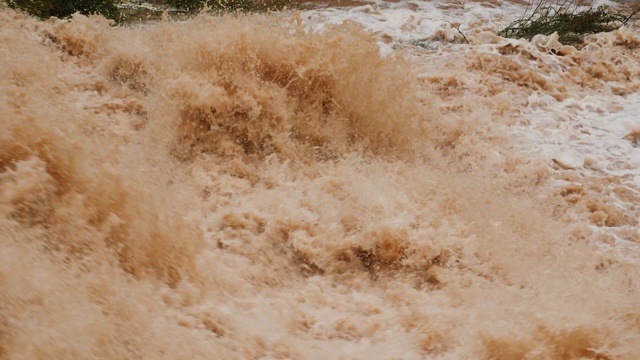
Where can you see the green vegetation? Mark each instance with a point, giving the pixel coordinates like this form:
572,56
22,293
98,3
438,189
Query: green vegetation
567,19
128,12
45,9
231,5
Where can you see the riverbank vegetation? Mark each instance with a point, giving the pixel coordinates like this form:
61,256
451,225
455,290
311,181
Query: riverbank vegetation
135,11
571,21
231,5
45,9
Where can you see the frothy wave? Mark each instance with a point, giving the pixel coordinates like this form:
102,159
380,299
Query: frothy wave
239,187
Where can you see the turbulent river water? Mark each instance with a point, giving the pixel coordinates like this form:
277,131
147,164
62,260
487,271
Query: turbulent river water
339,183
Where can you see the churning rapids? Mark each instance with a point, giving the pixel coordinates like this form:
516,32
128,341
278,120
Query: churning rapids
339,183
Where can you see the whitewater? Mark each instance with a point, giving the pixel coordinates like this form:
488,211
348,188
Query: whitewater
388,180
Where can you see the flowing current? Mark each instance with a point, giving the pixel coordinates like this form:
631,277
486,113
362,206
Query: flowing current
338,183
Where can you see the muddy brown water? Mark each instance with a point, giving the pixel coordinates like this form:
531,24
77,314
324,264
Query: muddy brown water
239,188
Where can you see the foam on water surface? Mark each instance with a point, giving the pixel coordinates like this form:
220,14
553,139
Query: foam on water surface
271,187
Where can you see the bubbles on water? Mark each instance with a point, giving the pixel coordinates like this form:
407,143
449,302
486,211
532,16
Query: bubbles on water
237,187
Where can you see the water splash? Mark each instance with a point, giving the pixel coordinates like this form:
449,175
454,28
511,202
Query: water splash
239,187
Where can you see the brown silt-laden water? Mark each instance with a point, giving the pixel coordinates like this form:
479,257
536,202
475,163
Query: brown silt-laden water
298,186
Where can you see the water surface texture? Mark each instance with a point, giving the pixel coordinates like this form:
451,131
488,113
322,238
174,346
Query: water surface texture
338,183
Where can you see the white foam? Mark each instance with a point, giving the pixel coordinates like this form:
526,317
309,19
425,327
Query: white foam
585,134
407,22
